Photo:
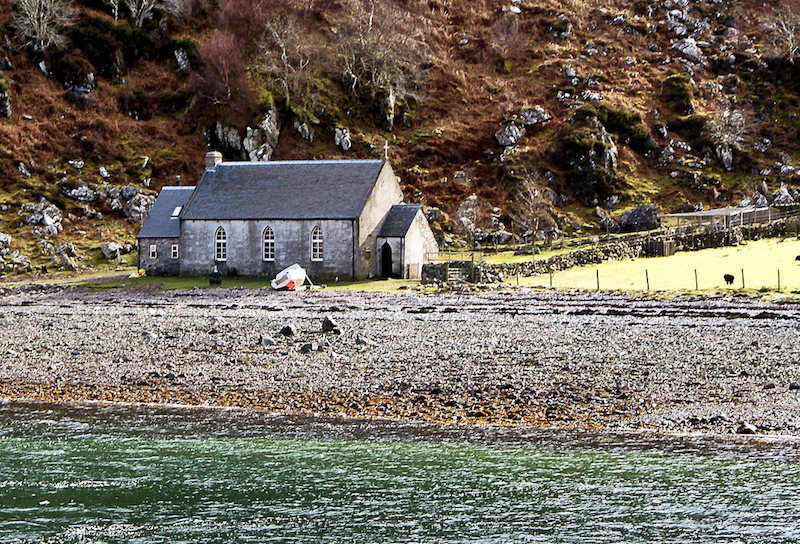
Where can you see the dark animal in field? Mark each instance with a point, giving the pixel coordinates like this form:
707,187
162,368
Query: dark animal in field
797,258
728,279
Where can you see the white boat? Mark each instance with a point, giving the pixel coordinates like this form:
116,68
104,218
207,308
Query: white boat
290,278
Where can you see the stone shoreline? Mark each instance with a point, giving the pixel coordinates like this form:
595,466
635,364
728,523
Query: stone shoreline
572,360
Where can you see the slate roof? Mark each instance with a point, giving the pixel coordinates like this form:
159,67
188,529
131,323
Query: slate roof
399,220
159,222
284,190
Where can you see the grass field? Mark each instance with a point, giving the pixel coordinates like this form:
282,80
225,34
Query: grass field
761,262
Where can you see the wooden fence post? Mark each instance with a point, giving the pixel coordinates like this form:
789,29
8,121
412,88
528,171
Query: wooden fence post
598,280
742,278
696,285
647,277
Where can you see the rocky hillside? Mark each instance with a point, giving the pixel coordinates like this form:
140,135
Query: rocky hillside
523,118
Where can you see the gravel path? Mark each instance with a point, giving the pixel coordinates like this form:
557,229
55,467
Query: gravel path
515,357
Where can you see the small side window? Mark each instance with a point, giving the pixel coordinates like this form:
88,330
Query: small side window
153,251
174,251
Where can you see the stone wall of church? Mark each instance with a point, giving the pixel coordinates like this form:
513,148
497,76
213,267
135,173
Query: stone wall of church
385,194
163,263
245,248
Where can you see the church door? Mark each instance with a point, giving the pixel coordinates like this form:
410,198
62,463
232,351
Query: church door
386,260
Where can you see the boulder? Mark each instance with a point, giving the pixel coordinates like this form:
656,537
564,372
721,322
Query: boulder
288,330
502,237
304,130
608,223
724,153
81,193
229,140
5,240
5,103
44,213
182,58
641,218
760,201
432,213
364,341
329,325
51,219
5,62
83,97
309,347
91,213
534,116
389,107
266,340
66,249
138,207
511,133
747,428
111,250
689,49
341,137
782,196
128,192
592,157
260,142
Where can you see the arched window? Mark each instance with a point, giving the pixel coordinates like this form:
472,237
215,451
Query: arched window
269,244
316,244
221,245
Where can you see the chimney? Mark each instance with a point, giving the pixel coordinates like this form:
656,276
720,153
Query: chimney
213,158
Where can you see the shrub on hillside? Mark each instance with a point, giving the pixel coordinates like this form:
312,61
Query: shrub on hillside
678,91
111,48
626,125
72,69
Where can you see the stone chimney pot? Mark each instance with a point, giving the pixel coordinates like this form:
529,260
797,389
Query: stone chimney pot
213,158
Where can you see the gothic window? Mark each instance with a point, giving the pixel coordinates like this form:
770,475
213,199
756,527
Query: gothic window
269,244
316,244
221,245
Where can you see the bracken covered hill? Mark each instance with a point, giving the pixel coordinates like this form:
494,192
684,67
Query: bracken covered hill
519,118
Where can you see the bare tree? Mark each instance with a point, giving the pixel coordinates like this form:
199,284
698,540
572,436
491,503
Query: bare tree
507,39
248,19
114,5
787,33
40,24
179,9
381,46
291,60
224,72
532,208
141,10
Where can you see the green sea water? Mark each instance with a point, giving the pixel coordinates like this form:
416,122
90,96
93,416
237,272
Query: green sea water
114,475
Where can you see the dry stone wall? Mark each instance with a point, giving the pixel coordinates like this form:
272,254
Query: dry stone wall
632,248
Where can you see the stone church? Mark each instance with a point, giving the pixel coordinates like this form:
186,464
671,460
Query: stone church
336,218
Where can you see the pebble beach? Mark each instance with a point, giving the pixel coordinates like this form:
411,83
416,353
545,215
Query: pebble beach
545,359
